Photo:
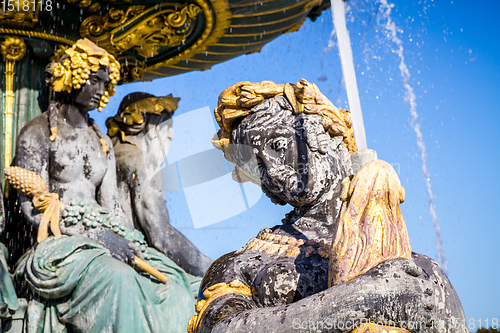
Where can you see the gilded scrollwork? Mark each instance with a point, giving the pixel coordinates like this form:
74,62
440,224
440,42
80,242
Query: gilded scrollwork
217,21
145,30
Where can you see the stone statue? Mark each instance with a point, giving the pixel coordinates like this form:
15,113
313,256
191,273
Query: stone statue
140,149
8,298
341,261
86,270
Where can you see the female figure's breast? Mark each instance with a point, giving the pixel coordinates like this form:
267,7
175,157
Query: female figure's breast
289,279
77,164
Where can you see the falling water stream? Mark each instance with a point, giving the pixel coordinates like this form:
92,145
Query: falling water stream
344,43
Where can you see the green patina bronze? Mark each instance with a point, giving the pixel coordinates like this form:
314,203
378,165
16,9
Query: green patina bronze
82,283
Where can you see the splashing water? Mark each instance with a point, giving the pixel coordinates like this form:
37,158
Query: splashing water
344,42
390,26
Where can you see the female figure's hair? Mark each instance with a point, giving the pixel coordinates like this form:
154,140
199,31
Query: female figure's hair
237,102
70,69
371,227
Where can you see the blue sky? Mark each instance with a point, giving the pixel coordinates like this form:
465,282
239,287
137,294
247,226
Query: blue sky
451,49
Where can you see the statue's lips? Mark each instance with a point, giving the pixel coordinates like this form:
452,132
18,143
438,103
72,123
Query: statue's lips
95,100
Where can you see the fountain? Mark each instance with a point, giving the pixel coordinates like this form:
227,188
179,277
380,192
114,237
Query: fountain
197,36
291,101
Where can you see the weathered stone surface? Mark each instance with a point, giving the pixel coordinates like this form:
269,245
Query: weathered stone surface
290,290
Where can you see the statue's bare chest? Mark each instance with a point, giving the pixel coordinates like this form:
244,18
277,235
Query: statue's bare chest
77,156
285,273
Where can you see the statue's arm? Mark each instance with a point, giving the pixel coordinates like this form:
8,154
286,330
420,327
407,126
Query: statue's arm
32,153
149,206
386,293
107,192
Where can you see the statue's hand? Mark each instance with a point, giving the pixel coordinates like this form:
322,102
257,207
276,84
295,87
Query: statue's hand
120,248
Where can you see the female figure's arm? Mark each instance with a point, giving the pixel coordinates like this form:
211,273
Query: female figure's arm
107,194
149,207
32,153
389,292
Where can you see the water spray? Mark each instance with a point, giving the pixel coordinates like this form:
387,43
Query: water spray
365,155
390,26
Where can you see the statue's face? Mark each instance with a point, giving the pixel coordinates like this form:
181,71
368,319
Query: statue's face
89,95
286,165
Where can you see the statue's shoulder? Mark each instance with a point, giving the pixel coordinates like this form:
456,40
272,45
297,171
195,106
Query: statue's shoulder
131,161
36,128
34,134
127,152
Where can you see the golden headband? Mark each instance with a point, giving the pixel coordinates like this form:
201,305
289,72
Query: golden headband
236,102
84,57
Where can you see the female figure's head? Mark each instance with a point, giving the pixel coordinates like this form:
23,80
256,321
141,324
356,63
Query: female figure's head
295,136
83,76
74,69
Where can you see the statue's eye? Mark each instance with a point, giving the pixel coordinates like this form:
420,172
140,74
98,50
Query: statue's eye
279,144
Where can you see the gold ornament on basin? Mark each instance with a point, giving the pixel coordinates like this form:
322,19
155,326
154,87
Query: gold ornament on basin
13,48
141,29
